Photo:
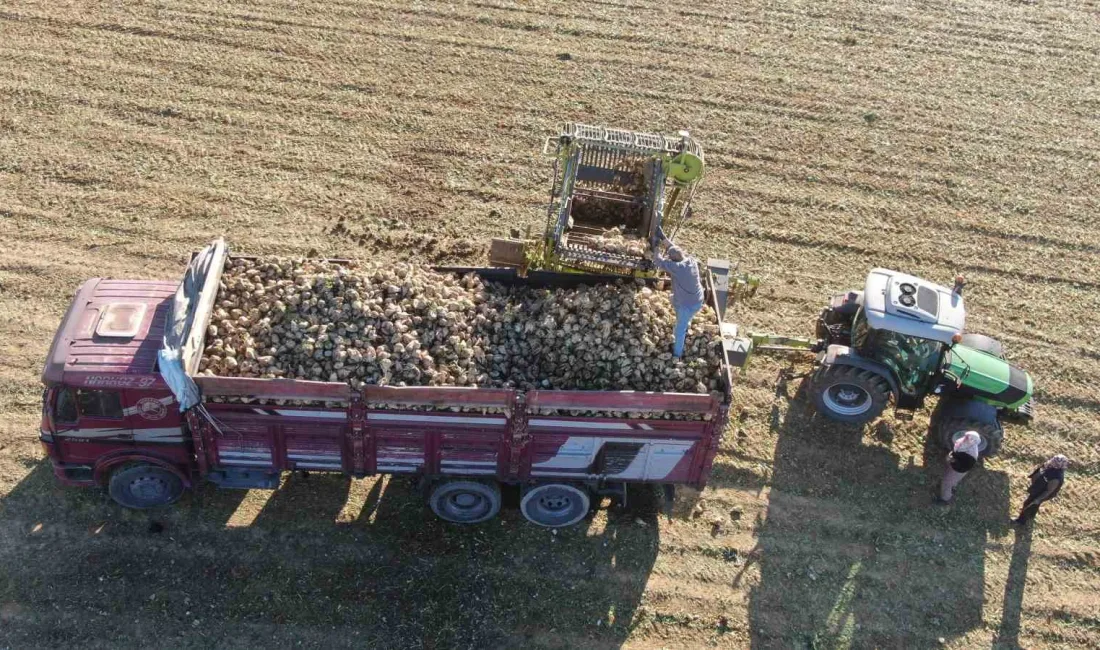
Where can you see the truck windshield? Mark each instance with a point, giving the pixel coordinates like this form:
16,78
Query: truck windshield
65,407
912,359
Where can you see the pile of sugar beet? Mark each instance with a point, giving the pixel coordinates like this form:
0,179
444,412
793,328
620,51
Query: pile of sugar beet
404,325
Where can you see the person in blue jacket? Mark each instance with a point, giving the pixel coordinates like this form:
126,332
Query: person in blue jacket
687,287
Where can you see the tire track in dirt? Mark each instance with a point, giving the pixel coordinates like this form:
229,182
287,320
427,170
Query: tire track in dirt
427,80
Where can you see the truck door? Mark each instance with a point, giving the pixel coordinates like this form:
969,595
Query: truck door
86,420
151,417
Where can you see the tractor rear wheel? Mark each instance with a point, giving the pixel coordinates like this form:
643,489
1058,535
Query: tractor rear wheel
951,429
849,394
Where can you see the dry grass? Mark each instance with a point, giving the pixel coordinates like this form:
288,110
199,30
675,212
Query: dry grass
931,136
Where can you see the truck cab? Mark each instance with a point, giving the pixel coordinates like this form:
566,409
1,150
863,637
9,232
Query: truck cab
104,403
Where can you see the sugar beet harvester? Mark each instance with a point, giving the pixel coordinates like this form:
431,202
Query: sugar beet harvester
608,179
605,179
901,336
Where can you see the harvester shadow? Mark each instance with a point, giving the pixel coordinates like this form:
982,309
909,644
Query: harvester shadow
853,553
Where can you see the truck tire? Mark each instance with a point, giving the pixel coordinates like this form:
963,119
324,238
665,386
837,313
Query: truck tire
465,502
555,505
849,394
984,343
950,429
144,486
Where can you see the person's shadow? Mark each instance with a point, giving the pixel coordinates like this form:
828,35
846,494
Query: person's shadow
1008,635
853,553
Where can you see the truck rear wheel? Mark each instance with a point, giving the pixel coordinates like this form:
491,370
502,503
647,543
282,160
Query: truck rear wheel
465,502
144,486
849,394
951,429
555,505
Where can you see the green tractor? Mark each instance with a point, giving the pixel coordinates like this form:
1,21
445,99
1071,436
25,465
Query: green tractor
902,337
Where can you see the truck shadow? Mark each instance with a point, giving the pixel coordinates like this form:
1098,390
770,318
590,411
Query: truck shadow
853,552
322,561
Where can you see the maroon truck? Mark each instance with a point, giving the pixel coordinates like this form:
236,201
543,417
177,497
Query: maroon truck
125,409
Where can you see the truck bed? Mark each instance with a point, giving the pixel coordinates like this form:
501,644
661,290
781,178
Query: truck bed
386,430
512,435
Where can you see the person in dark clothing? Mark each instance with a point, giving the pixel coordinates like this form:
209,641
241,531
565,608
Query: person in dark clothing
1046,482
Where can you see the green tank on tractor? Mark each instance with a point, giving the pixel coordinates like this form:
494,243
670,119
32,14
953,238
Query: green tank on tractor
902,337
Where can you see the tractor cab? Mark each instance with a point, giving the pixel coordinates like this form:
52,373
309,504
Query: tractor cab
907,324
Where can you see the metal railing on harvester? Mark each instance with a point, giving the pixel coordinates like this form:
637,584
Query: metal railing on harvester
614,179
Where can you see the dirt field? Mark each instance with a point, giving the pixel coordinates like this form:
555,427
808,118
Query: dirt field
934,137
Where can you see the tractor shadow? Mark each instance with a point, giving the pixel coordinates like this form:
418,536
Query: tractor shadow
323,560
853,552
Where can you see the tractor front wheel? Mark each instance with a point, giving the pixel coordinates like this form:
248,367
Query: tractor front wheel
951,429
849,394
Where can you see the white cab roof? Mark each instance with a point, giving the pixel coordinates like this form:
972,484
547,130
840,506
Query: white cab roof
902,303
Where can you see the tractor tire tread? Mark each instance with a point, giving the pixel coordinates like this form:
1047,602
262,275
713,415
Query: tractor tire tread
991,432
874,384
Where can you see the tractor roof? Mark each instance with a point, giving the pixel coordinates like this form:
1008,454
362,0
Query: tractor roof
902,303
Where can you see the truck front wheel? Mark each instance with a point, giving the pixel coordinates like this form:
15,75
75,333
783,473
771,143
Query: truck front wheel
144,486
849,394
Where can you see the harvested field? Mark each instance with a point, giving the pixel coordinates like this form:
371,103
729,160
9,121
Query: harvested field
929,136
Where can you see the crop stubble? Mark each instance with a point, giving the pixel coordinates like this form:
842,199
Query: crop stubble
931,137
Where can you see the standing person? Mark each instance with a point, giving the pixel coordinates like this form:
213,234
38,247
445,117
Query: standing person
687,288
1046,481
960,460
